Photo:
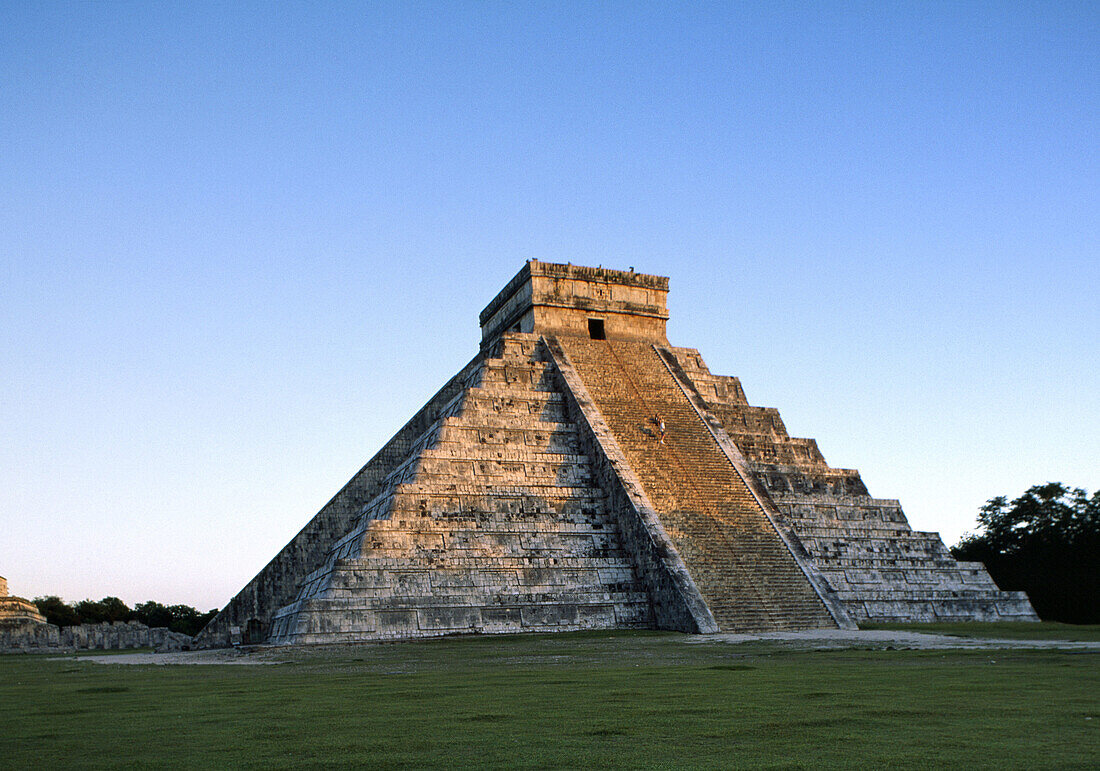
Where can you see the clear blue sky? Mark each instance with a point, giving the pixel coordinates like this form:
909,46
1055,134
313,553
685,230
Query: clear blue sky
241,244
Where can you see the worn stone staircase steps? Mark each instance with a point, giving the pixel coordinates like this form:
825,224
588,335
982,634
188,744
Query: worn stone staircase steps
482,485
744,571
611,572
610,566
831,558
494,548
884,564
834,531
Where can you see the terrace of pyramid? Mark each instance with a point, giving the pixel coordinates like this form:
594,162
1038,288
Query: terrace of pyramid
582,473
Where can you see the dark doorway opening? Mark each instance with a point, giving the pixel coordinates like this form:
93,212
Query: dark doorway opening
595,329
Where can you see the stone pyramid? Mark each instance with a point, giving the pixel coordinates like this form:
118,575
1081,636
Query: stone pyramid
16,611
582,473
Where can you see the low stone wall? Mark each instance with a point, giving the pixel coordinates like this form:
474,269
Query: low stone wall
31,637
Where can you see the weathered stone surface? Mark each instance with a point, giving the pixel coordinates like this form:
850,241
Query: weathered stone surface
278,583
879,567
533,493
16,610
23,629
492,524
747,573
31,638
21,625
546,298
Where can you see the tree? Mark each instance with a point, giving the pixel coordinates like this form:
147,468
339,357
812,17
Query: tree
107,610
57,611
152,614
178,618
116,609
91,612
188,620
1046,543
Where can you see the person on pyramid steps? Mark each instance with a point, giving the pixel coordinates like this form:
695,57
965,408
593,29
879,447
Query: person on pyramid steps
660,422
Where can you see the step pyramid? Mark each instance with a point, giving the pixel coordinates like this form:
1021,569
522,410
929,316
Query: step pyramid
581,473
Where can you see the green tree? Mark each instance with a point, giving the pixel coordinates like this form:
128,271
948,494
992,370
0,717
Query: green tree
57,611
109,610
1046,543
178,618
205,619
91,612
187,620
183,618
116,609
152,614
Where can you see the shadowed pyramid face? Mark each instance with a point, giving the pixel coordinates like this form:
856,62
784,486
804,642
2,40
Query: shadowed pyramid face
571,300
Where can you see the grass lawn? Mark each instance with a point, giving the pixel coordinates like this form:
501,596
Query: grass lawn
600,700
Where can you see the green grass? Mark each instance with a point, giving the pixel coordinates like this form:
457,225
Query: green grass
636,700
1003,630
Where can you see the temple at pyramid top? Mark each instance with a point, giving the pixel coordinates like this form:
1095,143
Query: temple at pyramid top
598,303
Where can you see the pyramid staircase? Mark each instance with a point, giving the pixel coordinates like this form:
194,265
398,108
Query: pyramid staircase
744,570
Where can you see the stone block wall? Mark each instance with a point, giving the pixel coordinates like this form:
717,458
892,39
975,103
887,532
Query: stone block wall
18,636
31,637
547,298
886,571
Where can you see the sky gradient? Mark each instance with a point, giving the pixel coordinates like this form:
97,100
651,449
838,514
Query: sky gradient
240,245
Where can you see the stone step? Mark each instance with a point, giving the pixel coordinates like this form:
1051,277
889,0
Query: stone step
486,422
491,522
743,569
610,568
518,469
319,623
884,562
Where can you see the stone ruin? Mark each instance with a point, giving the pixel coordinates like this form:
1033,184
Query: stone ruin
582,473
23,629
16,611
